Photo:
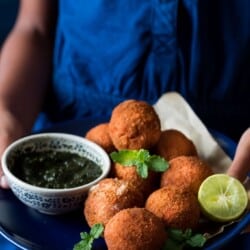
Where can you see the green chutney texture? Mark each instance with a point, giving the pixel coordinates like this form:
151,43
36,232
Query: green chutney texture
55,169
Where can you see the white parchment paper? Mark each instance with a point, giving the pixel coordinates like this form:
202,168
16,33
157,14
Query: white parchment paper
175,113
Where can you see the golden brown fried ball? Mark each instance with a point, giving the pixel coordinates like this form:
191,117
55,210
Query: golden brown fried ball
177,207
107,198
173,143
135,229
134,125
100,135
186,172
143,185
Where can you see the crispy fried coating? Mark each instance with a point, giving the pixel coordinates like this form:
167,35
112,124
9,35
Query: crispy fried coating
173,143
100,135
177,207
135,229
134,125
107,198
186,172
145,186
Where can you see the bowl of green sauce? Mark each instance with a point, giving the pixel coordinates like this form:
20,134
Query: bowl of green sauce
53,172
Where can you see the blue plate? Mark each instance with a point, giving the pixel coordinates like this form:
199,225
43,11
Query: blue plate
28,229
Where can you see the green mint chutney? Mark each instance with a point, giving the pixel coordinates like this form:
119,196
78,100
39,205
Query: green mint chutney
55,169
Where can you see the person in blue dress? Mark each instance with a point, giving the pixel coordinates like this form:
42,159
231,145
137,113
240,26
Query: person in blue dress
67,60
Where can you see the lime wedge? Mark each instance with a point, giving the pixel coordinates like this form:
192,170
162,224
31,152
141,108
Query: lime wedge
222,197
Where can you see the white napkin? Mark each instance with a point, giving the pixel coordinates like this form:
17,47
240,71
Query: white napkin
174,112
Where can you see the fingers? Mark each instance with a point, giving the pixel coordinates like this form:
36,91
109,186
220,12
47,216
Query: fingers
3,182
241,163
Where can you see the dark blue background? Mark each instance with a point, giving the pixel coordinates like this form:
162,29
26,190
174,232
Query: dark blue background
8,9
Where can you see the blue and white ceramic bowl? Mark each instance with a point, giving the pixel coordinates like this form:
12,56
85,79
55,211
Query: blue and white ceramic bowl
53,200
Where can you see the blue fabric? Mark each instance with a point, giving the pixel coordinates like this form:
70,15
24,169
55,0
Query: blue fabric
108,51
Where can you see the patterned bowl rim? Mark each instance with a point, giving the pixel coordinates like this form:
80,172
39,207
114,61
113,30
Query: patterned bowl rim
13,146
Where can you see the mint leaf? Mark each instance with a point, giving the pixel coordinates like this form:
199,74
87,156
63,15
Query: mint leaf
87,239
178,239
141,159
176,235
85,243
96,230
187,233
197,240
142,170
125,157
143,155
158,164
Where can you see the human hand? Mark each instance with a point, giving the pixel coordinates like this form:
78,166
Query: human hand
5,140
10,130
240,166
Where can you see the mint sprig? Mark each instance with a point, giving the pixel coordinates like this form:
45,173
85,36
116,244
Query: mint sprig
87,239
141,159
178,239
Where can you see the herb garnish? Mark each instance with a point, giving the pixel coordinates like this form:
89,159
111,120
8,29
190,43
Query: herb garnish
141,159
87,239
178,239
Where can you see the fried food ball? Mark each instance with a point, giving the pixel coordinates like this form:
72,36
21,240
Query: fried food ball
100,135
107,198
145,186
134,125
186,172
177,207
173,143
135,229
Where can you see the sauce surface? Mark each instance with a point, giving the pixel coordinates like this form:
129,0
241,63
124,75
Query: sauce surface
54,169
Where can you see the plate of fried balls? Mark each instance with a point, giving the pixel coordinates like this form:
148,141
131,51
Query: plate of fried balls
137,212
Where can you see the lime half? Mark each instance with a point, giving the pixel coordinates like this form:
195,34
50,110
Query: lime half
222,197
